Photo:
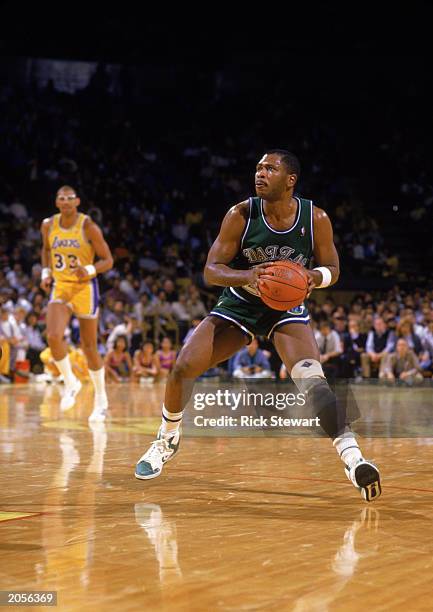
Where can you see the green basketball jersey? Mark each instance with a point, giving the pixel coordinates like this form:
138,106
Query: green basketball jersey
261,243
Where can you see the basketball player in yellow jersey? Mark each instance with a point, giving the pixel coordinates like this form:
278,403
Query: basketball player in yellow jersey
70,242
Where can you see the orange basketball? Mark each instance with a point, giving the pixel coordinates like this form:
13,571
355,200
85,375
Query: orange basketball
284,286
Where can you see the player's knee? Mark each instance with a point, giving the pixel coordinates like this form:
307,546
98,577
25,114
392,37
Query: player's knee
54,338
185,367
88,345
308,376
306,373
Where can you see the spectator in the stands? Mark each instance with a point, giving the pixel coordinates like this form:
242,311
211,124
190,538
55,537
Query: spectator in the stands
330,348
402,364
181,314
426,358
251,362
165,357
380,342
353,347
405,330
130,331
112,314
118,362
145,364
10,335
35,342
196,307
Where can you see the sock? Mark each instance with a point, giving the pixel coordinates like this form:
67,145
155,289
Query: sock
171,421
98,380
348,449
64,366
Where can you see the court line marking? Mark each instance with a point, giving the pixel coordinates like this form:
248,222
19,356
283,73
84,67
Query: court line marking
306,479
18,518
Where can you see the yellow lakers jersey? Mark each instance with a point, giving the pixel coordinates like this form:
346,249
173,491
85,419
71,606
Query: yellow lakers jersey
69,249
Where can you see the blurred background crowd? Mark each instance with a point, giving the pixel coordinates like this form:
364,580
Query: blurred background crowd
157,157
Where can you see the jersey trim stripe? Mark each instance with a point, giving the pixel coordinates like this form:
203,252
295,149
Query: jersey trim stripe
271,229
244,233
83,233
312,227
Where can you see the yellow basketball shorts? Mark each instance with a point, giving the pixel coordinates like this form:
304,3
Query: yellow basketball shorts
81,298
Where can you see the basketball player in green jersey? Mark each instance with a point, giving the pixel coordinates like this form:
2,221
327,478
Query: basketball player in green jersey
273,226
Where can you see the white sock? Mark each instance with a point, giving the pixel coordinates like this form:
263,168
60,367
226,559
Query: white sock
171,421
65,368
98,380
348,449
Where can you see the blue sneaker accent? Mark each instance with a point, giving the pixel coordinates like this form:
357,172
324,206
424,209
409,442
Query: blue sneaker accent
160,451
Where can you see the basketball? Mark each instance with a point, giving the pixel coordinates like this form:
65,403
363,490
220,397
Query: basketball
284,286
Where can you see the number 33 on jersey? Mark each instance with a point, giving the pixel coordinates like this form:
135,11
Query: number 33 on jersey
69,249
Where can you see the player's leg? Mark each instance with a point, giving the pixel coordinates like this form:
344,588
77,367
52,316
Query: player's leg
89,343
298,350
58,316
214,340
85,303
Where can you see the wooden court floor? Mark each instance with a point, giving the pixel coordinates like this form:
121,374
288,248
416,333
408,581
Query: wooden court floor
234,524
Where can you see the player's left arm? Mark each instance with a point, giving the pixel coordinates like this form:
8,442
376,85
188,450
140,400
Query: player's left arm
325,253
105,259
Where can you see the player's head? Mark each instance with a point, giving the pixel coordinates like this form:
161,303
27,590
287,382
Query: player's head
67,200
276,174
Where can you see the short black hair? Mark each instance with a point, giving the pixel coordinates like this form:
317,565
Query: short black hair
66,188
289,160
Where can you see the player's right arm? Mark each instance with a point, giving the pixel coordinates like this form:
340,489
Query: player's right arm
47,277
224,250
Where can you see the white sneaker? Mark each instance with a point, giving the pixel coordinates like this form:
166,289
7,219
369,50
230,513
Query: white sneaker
100,409
161,450
365,476
69,395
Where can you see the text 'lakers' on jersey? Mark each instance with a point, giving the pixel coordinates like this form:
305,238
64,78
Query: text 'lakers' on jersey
69,249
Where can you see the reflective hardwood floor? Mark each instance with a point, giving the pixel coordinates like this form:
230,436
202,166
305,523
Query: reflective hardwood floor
232,523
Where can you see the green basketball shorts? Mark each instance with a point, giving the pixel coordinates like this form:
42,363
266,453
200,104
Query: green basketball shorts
255,319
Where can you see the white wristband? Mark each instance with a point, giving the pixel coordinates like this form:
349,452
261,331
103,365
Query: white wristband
46,273
90,269
326,277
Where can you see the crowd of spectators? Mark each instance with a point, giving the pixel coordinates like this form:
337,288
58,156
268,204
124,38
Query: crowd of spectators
387,336
159,197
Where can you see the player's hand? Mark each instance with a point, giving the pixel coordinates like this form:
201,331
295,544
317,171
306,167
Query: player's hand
314,279
81,273
46,284
254,274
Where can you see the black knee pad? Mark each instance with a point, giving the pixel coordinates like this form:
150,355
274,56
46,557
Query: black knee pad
323,403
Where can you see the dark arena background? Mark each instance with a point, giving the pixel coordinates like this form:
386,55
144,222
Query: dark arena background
156,121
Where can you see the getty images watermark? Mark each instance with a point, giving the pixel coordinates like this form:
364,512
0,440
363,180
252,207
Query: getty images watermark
228,409
271,408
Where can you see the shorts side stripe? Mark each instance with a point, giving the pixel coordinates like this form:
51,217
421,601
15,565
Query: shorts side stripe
95,295
239,296
223,316
303,320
